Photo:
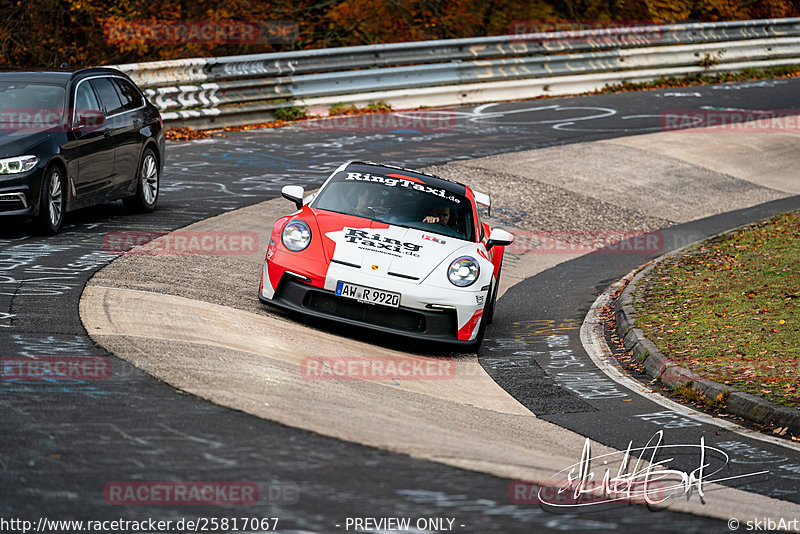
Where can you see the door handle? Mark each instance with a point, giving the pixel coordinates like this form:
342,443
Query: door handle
107,132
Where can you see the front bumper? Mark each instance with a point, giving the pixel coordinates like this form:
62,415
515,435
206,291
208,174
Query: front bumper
19,193
429,324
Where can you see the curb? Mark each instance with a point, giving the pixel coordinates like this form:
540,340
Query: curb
749,407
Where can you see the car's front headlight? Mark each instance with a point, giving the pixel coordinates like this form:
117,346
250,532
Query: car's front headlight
463,271
18,164
296,235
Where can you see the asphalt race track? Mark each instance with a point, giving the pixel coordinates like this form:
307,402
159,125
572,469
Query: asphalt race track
64,442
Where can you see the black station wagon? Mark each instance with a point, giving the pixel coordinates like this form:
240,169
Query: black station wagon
74,139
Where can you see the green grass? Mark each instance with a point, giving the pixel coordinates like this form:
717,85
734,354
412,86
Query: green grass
291,113
729,309
379,106
702,79
695,396
341,108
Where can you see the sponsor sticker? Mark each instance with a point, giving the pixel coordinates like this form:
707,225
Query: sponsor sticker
398,180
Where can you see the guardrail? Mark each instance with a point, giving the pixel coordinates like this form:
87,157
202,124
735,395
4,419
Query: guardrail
231,90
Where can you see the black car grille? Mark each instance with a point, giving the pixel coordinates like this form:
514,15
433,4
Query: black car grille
368,313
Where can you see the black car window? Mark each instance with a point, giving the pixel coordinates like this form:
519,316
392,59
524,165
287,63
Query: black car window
27,106
85,99
131,97
22,95
108,95
87,109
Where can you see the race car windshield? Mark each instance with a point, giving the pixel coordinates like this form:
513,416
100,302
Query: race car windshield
400,202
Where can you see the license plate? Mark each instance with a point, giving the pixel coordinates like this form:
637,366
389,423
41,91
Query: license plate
368,294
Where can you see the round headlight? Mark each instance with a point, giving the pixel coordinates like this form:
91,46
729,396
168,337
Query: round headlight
463,271
296,235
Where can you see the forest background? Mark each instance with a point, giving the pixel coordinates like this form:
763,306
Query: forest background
47,33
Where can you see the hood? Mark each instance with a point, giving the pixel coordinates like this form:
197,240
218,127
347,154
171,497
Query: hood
19,143
383,248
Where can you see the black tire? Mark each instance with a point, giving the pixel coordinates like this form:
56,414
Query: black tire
148,180
475,345
51,201
490,306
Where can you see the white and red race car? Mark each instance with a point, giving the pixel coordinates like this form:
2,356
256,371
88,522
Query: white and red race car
389,249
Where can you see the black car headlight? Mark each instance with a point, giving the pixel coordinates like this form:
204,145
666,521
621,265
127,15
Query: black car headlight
17,164
296,236
463,271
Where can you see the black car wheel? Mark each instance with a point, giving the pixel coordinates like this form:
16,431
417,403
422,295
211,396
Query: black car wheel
147,180
489,315
51,203
488,311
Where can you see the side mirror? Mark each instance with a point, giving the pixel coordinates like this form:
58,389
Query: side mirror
293,193
499,238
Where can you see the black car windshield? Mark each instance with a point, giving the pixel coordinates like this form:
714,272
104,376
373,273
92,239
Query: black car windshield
28,106
399,200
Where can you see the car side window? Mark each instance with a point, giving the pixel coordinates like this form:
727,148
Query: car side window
88,111
131,97
108,95
481,231
85,99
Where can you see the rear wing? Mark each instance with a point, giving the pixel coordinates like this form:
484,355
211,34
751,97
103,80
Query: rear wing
484,200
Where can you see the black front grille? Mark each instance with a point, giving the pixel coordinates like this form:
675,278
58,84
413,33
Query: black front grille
368,313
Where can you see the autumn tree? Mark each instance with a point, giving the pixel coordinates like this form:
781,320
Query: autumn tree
47,33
